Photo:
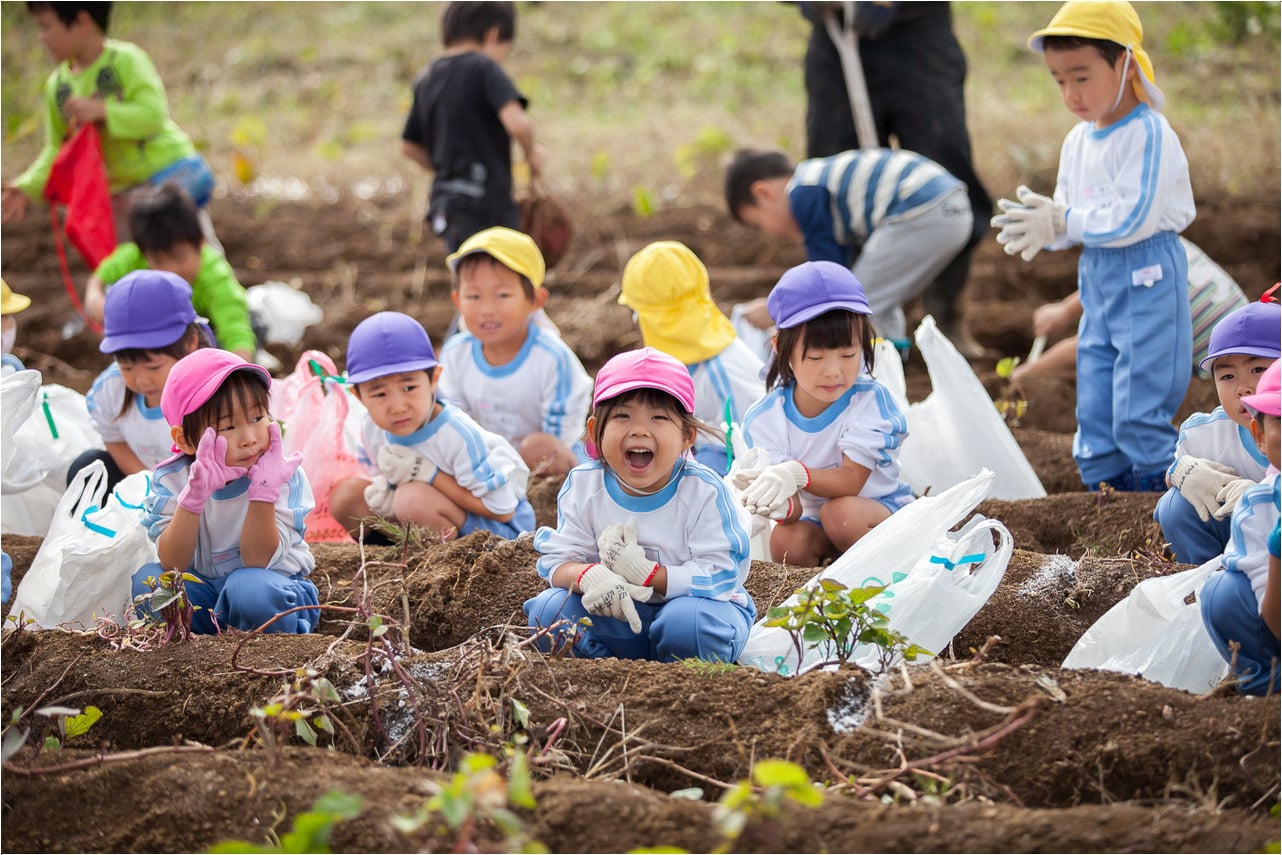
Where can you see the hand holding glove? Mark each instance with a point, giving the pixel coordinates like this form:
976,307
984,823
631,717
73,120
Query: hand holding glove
747,467
1029,225
273,470
208,473
400,465
379,495
768,495
621,553
1200,481
605,593
1229,496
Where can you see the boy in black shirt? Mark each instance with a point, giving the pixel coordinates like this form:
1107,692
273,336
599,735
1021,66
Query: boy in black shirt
466,112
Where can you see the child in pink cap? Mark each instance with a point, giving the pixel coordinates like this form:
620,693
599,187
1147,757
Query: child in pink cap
825,440
1240,601
229,506
649,542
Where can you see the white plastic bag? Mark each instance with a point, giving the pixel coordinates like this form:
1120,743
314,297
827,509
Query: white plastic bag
1157,633
314,410
944,590
957,431
38,449
282,311
18,393
95,544
889,555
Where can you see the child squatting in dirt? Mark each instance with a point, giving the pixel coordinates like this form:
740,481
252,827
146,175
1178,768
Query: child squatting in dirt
229,507
149,324
1240,601
1216,458
667,288
515,377
825,439
428,463
649,542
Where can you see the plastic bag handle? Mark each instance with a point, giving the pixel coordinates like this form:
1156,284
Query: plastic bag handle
94,527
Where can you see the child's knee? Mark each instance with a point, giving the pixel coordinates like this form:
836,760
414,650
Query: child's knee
347,499
695,628
252,596
546,454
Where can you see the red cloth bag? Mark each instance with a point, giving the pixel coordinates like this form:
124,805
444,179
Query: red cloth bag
78,180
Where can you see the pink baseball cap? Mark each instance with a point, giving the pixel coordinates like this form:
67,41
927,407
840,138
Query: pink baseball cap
646,368
197,376
1267,397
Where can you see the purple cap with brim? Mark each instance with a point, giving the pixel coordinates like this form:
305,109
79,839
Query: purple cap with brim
1253,330
146,310
646,368
808,290
197,376
388,343
1267,397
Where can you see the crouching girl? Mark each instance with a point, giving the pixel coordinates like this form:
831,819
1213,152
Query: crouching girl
229,506
649,542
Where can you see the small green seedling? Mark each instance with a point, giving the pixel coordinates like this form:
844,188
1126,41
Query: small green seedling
836,620
477,794
774,784
299,707
168,603
311,829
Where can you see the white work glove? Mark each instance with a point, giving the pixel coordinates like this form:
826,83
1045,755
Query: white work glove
1029,225
621,553
605,593
768,495
1200,481
1229,496
378,496
400,465
747,467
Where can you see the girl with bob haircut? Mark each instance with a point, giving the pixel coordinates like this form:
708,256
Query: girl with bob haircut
228,507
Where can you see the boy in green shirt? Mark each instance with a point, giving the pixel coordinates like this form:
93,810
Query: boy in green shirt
115,84
167,236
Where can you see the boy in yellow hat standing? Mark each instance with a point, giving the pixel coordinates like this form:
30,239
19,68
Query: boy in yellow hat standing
667,286
1123,193
10,305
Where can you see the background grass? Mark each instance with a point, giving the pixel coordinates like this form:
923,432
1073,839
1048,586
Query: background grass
636,103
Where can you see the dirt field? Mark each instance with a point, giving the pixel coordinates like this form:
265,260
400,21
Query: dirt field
1004,754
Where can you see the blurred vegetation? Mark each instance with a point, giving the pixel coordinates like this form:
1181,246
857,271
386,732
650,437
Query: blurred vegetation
633,100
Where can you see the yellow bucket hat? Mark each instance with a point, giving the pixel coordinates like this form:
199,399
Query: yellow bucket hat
667,286
514,250
1113,20
11,303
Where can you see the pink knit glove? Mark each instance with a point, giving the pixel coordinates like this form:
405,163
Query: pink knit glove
208,473
273,470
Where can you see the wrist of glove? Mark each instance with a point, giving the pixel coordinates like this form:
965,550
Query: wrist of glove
1200,481
605,593
769,493
379,495
1029,224
272,471
621,553
1229,496
401,465
209,472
